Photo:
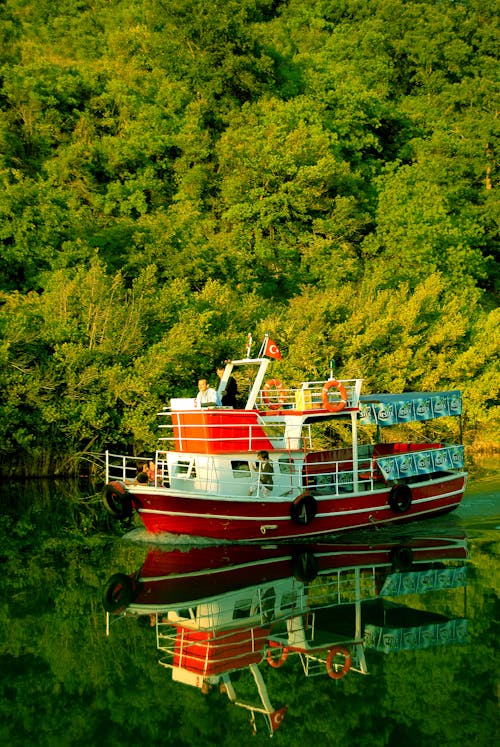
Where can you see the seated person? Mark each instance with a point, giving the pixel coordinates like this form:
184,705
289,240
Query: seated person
151,472
142,477
207,396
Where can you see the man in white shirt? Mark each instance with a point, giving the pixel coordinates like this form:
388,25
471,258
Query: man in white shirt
207,396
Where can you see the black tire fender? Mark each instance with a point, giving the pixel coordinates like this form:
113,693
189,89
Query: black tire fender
401,558
305,565
304,508
118,592
400,498
117,500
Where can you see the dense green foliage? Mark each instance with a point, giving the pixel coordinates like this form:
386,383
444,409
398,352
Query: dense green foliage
178,173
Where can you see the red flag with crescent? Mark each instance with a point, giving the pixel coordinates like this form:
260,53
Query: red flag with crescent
276,718
272,350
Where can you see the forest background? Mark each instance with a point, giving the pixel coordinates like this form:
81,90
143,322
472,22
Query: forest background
178,173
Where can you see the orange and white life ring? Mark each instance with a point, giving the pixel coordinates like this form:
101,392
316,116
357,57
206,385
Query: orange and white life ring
335,671
338,405
280,393
275,648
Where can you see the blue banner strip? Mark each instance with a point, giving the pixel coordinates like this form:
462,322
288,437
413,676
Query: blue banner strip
426,462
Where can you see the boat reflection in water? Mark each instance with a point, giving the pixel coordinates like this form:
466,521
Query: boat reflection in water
222,609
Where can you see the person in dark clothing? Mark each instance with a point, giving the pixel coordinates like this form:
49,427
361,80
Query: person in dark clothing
266,470
230,393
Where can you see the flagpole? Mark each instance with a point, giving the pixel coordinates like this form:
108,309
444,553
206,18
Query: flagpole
249,344
263,346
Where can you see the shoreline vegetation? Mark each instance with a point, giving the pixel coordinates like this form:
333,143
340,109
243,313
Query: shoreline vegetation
91,473
178,174
91,466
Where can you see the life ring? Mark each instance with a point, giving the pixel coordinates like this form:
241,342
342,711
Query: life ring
118,592
339,404
278,649
401,557
400,498
273,384
331,667
303,509
117,500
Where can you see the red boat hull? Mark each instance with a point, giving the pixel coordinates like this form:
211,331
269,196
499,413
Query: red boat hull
178,577
236,519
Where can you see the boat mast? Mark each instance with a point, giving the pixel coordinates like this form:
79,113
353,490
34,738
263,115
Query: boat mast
257,384
263,363
354,430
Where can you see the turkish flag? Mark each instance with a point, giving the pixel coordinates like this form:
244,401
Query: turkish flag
272,350
276,717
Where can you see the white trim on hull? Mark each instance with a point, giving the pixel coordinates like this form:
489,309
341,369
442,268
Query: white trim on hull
268,528
285,517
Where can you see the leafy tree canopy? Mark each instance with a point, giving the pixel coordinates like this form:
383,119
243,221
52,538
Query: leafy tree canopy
177,174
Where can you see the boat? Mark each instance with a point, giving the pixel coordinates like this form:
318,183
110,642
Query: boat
206,479
170,577
212,623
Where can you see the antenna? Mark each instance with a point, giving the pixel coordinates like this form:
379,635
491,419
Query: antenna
249,344
332,366
264,345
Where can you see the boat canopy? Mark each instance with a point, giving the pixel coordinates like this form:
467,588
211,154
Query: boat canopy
391,409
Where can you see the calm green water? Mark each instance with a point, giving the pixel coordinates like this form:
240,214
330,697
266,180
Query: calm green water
65,682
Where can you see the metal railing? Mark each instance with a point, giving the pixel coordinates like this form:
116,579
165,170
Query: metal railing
205,475
240,476
309,396
126,468
211,435
226,630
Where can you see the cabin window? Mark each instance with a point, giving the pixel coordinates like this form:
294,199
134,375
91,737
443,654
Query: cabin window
240,468
242,609
185,468
187,614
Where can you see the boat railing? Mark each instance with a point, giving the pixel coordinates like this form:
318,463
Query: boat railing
242,477
125,468
277,422
332,472
314,664
229,632
122,467
339,475
222,430
208,652
311,395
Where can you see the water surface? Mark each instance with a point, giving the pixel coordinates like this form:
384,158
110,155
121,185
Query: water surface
64,681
